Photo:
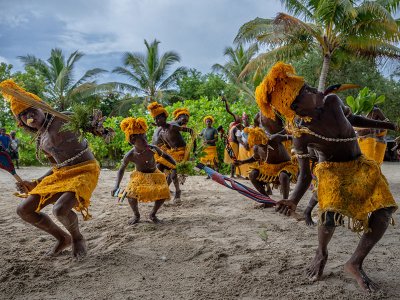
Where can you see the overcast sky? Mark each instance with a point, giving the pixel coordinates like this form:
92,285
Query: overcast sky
105,29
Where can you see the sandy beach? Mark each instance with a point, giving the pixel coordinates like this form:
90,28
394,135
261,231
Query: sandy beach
215,245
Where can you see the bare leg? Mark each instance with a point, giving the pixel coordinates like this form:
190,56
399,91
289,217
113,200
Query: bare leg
233,168
314,272
135,208
378,223
156,207
62,209
284,181
307,212
269,190
259,185
174,176
26,210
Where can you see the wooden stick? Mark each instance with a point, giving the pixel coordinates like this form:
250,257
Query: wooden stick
24,99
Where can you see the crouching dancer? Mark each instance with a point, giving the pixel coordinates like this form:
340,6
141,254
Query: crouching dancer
69,184
147,183
349,184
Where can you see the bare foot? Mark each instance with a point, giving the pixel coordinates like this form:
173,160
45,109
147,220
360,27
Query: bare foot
177,198
314,272
61,244
362,279
79,249
308,219
154,219
134,220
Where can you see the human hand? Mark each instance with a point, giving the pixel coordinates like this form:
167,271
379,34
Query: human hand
25,186
285,207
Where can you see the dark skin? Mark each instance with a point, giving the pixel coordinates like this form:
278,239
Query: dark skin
142,155
212,142
232,132
182,120
374,114
329,120
272,153
270,126
59,146
171,136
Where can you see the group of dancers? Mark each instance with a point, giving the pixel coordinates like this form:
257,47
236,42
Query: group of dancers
301,136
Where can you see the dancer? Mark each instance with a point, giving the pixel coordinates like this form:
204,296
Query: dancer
349,184
170,141
210,138
147,183
274,164
70,182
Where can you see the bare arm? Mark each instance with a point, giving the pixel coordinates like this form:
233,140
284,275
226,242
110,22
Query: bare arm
228,110
163,154
303,180
363,122
120,174
256,120
279,138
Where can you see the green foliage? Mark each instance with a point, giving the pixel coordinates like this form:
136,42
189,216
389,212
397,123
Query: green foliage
149,73
364,102
194,85
332,27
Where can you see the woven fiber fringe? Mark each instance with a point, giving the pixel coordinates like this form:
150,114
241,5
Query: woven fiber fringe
148,187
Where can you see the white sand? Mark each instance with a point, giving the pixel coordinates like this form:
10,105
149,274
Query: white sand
210,247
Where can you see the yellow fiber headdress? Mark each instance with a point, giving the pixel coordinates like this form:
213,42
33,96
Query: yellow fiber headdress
180,111
7,88
256,136
156,109
278,90
133,126
208,117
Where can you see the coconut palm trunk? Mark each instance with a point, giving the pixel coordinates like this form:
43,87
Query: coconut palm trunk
324,72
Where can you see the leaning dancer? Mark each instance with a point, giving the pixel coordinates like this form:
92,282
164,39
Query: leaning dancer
349,185
274,164
170,141
210,138
70,182
181,118
147,183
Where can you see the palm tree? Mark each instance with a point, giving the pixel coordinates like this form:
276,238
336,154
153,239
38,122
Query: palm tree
360,28
58,74
238,59
149,73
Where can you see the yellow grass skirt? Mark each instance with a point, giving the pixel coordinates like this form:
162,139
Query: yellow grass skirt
235,147
148,187
269,173
211,155
353,189
372,148
380,149
178,154
243,154
80,179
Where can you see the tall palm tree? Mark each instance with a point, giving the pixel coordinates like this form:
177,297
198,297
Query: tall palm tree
58,72
237,59
361,28
149,73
